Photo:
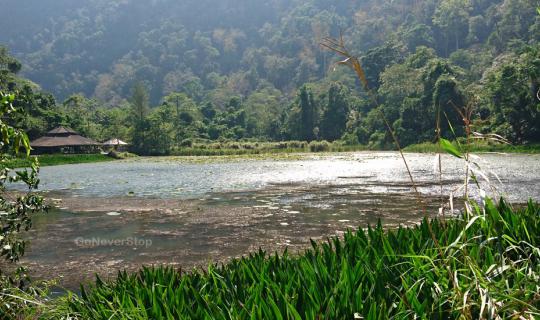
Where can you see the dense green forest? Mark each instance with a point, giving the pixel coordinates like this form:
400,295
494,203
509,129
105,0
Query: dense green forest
162,74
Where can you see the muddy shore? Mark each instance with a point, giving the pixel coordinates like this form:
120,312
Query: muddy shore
84,236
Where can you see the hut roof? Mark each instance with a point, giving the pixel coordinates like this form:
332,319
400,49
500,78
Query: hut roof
61,130
62,137
114,142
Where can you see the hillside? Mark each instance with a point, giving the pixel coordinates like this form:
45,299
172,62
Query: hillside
254,56
200,46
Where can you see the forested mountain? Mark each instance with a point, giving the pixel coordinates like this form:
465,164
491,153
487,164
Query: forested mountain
251,68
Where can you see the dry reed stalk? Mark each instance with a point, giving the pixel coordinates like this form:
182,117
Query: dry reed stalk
351,61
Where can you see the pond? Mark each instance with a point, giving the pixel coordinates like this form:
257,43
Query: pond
121,215
381,171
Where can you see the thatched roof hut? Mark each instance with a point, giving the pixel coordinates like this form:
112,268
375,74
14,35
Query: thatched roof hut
114,142
64,140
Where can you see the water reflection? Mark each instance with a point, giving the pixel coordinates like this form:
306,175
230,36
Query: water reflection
174,179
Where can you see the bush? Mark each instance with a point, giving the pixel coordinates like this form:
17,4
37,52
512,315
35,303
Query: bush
319,146
350,139
116,155
249,146
234,146
281,145
296,144
188,143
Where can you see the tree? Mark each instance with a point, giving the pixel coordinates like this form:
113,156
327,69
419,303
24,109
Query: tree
16,211
181,112
452,17
139,112
9,67
209,111
301,120
158,136
516,22
263,108
512,89
262,54
412,122
447,100
79,110
116,123
377,59
37,110
417,35
139,102
412,94
307,114
334,117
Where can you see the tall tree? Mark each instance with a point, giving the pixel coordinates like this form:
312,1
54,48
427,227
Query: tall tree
308,111
139,102
139,110
452,17
335,113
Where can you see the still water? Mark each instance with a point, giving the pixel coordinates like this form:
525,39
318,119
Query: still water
121,215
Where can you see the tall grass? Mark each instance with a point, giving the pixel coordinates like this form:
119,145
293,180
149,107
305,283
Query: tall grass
368,274
246,148
58,159
428,147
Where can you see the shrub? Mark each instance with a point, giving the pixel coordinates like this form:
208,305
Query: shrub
234,146
294,144
281,145
350,139
249,146
188,143
319,146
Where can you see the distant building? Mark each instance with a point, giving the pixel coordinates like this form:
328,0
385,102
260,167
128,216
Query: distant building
115,144
64,140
